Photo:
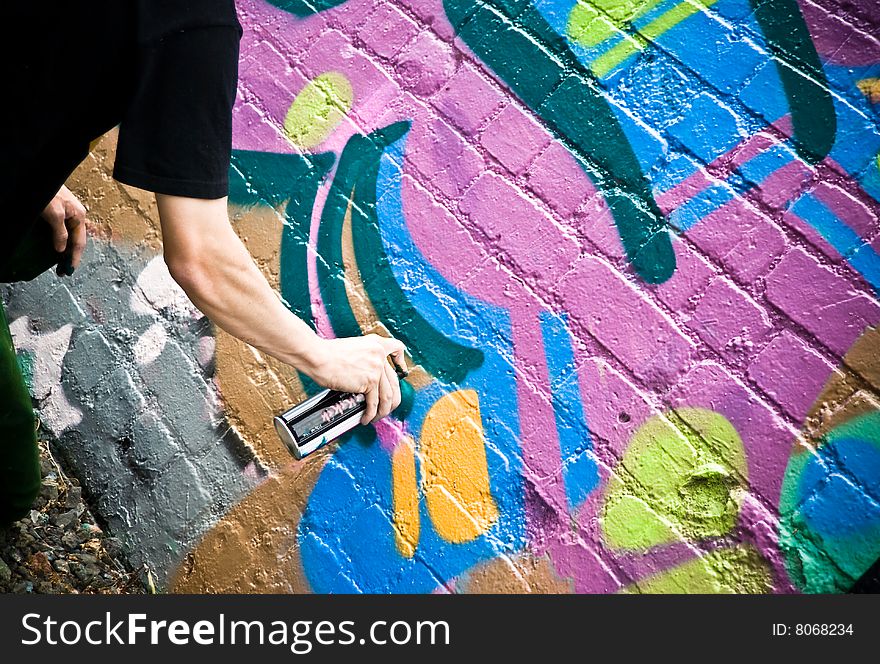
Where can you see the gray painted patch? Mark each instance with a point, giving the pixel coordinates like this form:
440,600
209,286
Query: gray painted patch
153,449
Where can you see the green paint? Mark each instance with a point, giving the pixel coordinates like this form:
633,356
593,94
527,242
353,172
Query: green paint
804,82
304,8
679,480
513,38
318,109
269,179
355,185
634,524
738,570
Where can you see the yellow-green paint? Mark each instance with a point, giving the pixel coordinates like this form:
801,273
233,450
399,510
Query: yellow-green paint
592,23
318,109
738,570
406,497
636,525
680,478
456,474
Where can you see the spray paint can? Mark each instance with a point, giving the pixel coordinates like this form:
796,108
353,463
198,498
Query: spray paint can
329,414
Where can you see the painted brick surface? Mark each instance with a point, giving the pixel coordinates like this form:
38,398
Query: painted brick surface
632,249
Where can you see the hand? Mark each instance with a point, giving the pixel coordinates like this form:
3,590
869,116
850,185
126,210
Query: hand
67,217
360,365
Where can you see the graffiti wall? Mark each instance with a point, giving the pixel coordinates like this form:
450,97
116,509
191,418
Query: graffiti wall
631,246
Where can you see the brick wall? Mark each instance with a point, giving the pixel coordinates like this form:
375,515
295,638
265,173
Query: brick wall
631,247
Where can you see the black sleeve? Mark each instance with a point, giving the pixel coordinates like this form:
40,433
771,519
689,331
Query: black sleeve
176,135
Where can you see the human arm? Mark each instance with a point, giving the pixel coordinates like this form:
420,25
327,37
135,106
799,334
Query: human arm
208,260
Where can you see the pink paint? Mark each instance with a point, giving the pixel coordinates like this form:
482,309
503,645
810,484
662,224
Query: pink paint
468,100
841,41
538,439
792,374
724,165
654,350
766,438
514,138
319,311
730,321
741,238
489,238
390,432
691,276
558,180
828,305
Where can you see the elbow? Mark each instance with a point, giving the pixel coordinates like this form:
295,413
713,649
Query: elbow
188,272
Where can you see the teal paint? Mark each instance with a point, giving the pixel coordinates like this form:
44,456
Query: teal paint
26,361
514,39
802,76
304,8
355,181
270,179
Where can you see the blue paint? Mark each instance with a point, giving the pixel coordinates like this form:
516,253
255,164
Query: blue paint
346,534
705,45
858,124
678,168
763,165
838,494
843,505
763,94
695,209
708,130
860,255
580,469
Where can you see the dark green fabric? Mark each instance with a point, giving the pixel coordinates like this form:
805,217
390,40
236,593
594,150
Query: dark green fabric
31,254
19,455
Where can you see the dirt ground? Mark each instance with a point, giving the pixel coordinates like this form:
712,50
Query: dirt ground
59,548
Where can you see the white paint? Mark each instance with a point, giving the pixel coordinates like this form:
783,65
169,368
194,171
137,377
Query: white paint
49,351
156,290
150,344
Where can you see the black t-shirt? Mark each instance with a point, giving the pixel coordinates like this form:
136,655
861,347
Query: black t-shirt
165,71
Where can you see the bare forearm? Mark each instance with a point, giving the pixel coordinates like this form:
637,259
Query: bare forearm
228,287
220,277
211,264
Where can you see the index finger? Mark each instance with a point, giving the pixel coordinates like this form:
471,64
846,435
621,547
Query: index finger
396,349
77,243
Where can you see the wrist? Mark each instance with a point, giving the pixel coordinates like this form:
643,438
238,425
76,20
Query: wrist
310,355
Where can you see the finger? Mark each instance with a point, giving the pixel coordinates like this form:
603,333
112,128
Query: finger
372,401
54,216
77,245
394,381
74,213
385,397
395,349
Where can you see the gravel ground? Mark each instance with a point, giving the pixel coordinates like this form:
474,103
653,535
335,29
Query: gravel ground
59,548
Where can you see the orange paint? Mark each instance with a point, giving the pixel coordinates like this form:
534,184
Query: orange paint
456,483
405,497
